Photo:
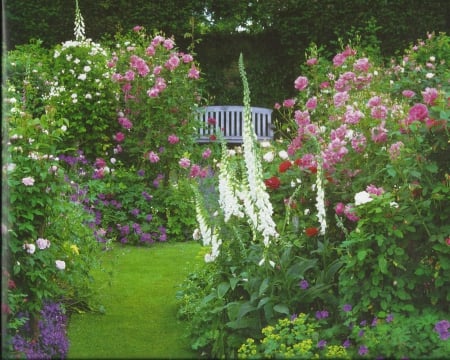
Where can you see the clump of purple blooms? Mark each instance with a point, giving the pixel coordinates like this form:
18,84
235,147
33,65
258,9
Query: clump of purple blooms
441,328
51,341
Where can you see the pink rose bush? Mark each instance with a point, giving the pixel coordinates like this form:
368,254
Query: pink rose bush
378,152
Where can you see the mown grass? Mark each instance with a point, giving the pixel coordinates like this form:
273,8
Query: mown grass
140,305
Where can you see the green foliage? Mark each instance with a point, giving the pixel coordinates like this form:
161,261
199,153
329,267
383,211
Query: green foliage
50,248
298,338
306,337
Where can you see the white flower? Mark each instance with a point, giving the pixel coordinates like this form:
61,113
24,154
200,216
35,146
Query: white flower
197,235
30,248
88,96
393,204
86,69
283,154
429,75
28,181
82,77
268,157
265,144
64,128
76,61
113,160
42,243
60,264
320,200
362,197
432,59
10,167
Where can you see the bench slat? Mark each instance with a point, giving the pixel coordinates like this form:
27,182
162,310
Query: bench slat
229,122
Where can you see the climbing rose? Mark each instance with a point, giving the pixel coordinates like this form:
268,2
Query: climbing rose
301,83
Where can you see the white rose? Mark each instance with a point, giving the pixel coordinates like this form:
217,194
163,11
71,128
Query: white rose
283,154
30,248
60,264
362,197
268,157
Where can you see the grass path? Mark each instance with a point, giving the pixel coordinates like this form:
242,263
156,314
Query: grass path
140,318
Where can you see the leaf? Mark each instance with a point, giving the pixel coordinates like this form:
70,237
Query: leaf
281,308
222,289
361,255
263,301
382,264
245,308
264,286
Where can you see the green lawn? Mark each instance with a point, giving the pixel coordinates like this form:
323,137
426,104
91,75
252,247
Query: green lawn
140,318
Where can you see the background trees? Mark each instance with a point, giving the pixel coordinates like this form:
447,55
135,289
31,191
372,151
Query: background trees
272,34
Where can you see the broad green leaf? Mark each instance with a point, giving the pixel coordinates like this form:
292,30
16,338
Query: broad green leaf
222,289
281,308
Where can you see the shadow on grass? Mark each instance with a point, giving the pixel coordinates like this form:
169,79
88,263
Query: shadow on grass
140,305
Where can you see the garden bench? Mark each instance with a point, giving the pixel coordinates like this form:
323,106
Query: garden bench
228,121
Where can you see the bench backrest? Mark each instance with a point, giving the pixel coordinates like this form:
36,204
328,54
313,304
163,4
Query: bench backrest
229,121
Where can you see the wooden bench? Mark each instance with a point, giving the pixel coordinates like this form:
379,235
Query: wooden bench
228,121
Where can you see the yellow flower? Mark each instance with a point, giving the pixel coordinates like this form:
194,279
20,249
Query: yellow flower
75,249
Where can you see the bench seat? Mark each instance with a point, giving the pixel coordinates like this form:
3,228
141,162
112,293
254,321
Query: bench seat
228,120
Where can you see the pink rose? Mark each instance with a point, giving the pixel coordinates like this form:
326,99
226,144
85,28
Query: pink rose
301,83
289,103
408,93
429,95
418,112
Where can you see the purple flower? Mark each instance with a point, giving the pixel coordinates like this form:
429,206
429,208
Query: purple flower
361,333
146,237
323,314
303,284
389,318
149,217
321,344
135,212
347,308
441,327
346,343
141,172
147,196
374,321
363,350
293,317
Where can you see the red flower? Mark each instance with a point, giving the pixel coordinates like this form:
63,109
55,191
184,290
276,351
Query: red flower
313,169
212,137
298,162
448,241
311,231
284,166
273,183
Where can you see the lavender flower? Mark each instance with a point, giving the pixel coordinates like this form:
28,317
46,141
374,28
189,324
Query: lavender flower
441,327
303,284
